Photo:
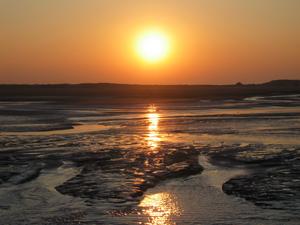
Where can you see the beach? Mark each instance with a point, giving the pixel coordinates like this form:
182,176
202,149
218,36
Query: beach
163,161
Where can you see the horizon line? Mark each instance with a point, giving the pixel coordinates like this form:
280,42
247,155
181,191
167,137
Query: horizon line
136,84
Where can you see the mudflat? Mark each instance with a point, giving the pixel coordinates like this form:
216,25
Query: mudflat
163,161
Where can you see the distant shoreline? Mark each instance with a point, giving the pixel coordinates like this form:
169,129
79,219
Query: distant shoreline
106,90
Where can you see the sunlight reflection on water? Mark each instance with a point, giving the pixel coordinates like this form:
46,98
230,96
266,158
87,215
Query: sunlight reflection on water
153,136
160,208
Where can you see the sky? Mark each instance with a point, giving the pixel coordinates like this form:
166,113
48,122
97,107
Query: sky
211,41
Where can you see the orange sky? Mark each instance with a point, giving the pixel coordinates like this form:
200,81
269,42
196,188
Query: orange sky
215,41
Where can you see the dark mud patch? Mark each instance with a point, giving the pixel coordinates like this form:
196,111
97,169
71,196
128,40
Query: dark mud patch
21,174
273,181
276,189
120,176
29,174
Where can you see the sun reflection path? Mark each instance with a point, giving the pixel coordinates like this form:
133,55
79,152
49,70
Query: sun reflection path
153,133
161,208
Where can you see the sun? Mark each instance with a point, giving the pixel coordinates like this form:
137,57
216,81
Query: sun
153,46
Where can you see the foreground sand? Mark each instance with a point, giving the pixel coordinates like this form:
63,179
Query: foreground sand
185,162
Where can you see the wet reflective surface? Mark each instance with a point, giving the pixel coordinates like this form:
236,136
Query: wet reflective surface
153,127
167,162
161,208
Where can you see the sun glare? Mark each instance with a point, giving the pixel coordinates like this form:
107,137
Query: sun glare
153,46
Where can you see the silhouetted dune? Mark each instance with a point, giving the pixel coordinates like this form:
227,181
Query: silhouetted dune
283,83
57,91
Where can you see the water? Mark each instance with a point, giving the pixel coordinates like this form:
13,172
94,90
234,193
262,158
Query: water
136,162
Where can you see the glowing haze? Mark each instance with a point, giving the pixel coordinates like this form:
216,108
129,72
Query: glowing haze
158,42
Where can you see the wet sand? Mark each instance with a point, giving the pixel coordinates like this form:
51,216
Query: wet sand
207,162
77,129
200,200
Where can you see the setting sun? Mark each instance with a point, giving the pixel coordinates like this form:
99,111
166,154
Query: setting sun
153,46
150,112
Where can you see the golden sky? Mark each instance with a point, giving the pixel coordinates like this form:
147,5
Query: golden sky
211,41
